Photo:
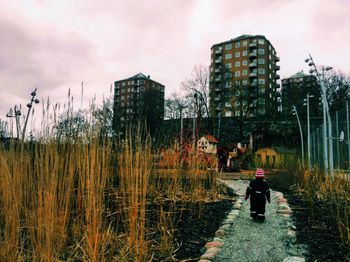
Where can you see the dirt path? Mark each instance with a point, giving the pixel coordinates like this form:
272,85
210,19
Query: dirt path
247,240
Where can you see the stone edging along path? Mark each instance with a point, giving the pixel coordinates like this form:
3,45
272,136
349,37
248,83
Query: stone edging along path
241,239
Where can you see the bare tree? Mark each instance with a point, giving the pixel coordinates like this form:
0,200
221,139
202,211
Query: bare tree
241,102
104,117
4,130
197,89
175,106
338,90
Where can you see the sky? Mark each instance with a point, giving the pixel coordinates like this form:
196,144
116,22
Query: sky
56,45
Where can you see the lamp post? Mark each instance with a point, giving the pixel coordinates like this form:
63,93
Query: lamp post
308,96
194,122
295,112
16,115
29,105
327,134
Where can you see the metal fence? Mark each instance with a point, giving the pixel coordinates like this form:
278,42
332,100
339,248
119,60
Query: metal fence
337,146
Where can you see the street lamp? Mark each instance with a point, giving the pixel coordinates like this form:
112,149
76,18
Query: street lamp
327,143
307,100
29,105
16,115
295,112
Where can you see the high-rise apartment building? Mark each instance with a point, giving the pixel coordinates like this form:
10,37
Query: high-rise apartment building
243,78
295,90
138,98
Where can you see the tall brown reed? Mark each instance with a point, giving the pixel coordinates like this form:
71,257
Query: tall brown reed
134,171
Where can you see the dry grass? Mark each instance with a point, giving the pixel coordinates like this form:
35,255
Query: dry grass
316,187
88,199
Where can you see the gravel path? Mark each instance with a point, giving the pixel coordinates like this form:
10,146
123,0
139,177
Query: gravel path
247,240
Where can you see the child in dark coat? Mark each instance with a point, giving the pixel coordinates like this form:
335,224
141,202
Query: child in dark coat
258,191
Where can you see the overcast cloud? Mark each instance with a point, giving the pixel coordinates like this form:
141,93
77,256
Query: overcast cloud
55,45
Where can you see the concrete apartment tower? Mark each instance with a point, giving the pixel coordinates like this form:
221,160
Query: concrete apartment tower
138,99
244,78
295,90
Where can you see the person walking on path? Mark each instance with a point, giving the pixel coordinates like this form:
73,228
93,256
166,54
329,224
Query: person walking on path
258,191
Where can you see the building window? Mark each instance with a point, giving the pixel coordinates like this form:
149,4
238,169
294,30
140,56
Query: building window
261,61
123,91
245,53
123,83
237,64
238,45
262,111
237,73
228,65
261,101
228,75
261,81
228,56
237,94
245,72
261,41
228,84
245,62
245,43
245,82
122,98
228,113
261,51
261,71
261,91
238,54
237,113
228,46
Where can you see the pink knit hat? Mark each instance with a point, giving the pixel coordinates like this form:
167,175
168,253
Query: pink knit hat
259,173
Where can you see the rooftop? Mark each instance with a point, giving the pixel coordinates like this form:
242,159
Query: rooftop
242,37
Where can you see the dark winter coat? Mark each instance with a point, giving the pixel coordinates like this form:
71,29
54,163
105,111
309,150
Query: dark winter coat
258,191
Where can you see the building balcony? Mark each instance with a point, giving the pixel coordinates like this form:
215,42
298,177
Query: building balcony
253,64
218,51
217,70
219,60
218,79
253,95
252,75
217,89
277,77
252,45
277,59
254,83
253,54
217,98
278,67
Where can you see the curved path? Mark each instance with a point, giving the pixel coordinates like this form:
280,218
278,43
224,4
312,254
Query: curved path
247,240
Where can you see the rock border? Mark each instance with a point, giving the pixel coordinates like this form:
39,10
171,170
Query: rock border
214,247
